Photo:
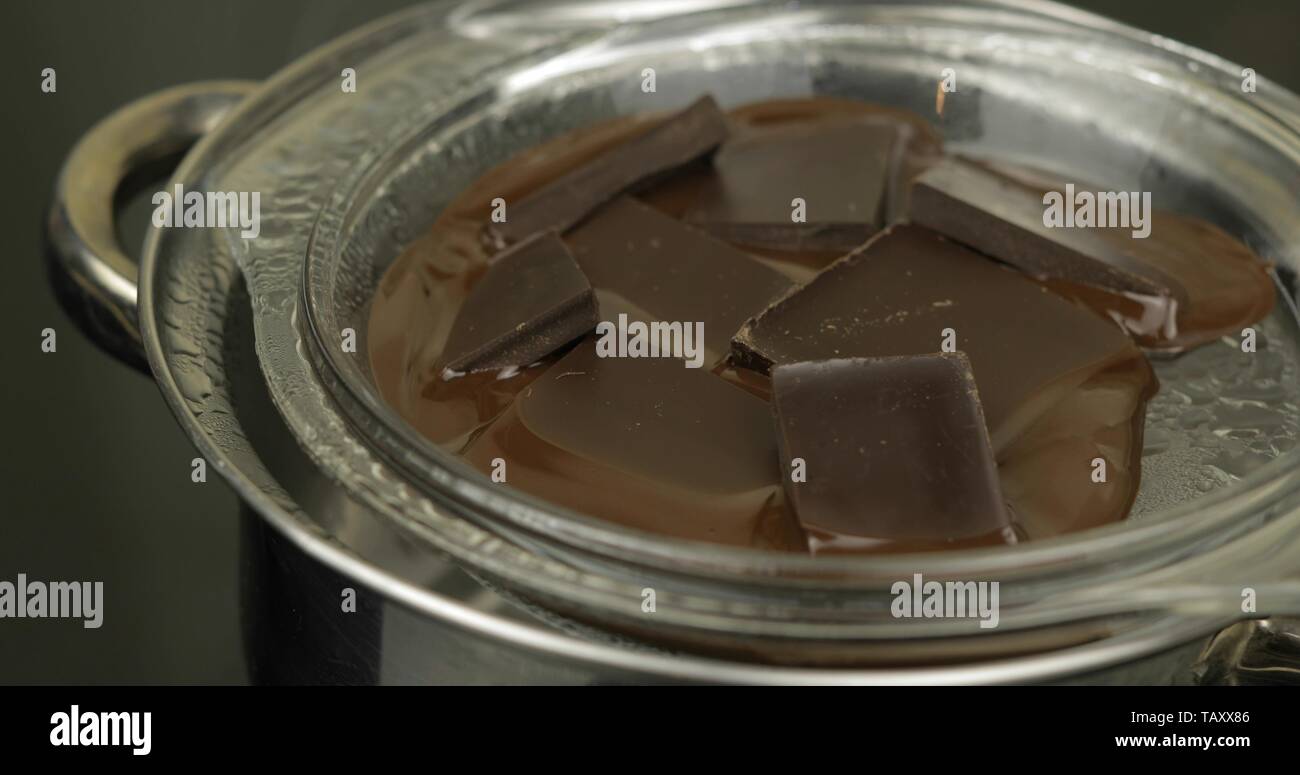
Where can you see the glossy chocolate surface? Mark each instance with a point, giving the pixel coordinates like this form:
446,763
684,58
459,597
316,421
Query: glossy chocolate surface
693,453
669,449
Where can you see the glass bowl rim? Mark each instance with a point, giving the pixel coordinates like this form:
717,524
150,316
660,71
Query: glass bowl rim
1199,519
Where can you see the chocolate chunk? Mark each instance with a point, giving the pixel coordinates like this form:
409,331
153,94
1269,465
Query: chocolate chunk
893,449
1004,219
532,300
842,171
654,263
899,293
1187,283
564,202
648,443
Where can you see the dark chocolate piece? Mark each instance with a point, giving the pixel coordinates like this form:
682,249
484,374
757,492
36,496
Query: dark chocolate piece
841,170
896,296
532,300
1004,219
564,202
648,443
892,449
1208,284
673,272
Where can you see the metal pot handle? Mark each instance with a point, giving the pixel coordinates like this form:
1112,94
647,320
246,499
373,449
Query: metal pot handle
139,143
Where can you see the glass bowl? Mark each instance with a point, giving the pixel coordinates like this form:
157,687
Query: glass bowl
1039,84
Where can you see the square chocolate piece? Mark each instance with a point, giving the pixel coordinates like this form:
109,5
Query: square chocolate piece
890,451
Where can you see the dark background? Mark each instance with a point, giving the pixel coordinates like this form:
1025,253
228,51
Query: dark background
95,471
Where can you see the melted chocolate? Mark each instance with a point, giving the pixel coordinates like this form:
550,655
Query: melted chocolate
692,453
669,449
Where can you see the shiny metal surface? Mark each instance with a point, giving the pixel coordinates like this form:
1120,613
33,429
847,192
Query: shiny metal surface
97,279
214,311
1253,653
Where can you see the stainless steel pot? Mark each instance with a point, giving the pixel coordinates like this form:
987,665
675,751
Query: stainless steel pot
464,584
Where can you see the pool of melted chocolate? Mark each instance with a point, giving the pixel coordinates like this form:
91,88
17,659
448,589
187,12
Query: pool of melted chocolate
692,453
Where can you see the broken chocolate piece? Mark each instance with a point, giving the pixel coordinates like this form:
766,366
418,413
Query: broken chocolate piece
1004,219
901,293
654,263
564,202
647,443
841,172
533,300
892,450
1227,285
